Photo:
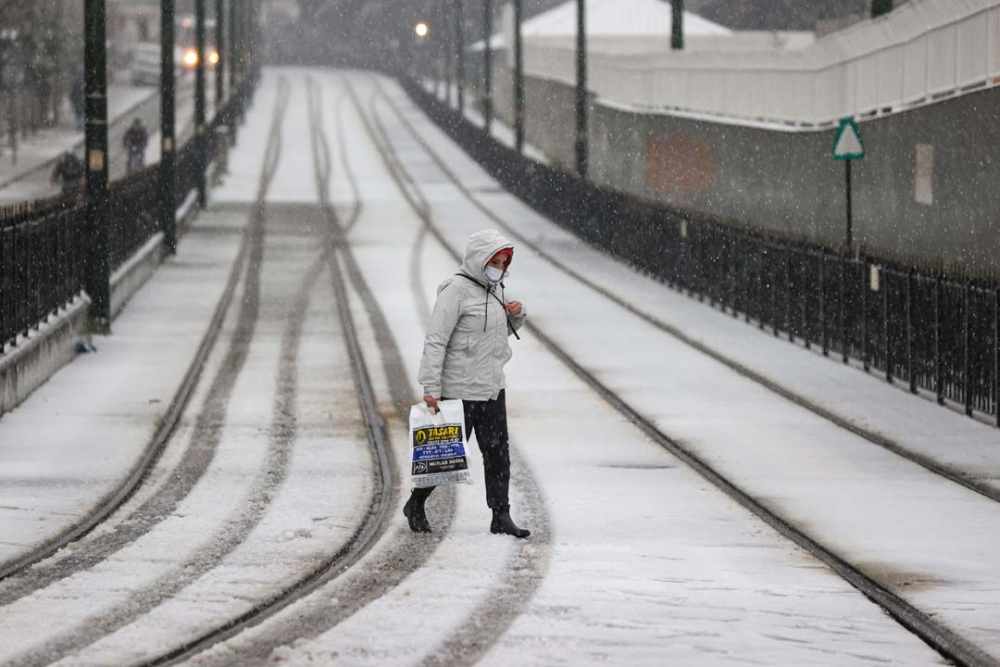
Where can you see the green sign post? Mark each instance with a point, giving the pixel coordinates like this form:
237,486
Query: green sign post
848,147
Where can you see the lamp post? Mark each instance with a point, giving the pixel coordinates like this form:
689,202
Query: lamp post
234,66
581,89
421,30
95,59
487,66
168,183
220,63
677,25
518,77
459,56
199,102
880,7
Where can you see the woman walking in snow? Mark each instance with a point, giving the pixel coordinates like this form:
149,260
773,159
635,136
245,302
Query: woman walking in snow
465,351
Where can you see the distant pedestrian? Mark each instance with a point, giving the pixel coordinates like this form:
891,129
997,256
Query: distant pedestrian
135,140
69,173
465,351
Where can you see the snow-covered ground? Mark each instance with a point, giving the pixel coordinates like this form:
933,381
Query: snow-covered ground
634,558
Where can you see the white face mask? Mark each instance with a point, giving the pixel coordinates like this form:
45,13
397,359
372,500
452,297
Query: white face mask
493,274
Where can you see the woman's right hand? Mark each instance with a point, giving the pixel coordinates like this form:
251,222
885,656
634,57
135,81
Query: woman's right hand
432,404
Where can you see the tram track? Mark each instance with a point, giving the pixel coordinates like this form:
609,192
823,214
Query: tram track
949,643
950,473
15,579
410,551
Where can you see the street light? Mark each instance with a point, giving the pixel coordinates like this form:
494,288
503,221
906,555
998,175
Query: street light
421,29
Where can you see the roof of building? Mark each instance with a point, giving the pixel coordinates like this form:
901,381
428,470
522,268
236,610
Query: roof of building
610,19
618,18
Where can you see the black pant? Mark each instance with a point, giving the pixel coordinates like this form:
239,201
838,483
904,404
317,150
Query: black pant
488,419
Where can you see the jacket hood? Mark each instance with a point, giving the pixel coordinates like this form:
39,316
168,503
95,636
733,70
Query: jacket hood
479,250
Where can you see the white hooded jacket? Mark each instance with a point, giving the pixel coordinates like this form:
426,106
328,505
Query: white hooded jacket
466,346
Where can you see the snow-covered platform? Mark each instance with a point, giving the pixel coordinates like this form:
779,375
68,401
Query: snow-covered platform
634,556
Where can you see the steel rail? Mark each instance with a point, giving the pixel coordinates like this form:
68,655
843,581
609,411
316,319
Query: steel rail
377,517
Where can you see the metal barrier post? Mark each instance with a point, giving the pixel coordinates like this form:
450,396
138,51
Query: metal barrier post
824,340
884,286
996,355
841,319
910,279
787,315
864,316
96,86
938,366
966,379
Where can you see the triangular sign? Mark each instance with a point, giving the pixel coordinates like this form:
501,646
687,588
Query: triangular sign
848,144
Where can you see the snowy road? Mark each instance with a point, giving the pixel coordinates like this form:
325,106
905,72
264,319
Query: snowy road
266,511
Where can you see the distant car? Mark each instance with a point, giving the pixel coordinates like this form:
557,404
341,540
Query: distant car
146,64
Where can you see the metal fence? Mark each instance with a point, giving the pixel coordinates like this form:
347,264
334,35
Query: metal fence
44,244
923,329
42,265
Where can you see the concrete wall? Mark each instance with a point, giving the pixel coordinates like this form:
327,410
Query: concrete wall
787,182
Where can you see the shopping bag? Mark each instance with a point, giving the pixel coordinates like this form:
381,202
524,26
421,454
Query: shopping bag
438,445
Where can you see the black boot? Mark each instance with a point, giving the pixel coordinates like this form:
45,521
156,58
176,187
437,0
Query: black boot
413,510
502,523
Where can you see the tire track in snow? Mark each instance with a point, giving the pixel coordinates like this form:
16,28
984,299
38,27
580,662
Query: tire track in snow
408,551
207,426
526,570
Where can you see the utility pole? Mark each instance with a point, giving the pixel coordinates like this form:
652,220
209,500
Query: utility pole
581,89
168,166
459,56
446,43
253,42
234,66
488,66
880,7
95,61
518,77
220,74
199,102
677,25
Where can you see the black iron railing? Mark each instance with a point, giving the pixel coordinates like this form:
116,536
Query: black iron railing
42,265
43,244
133,213
919,327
